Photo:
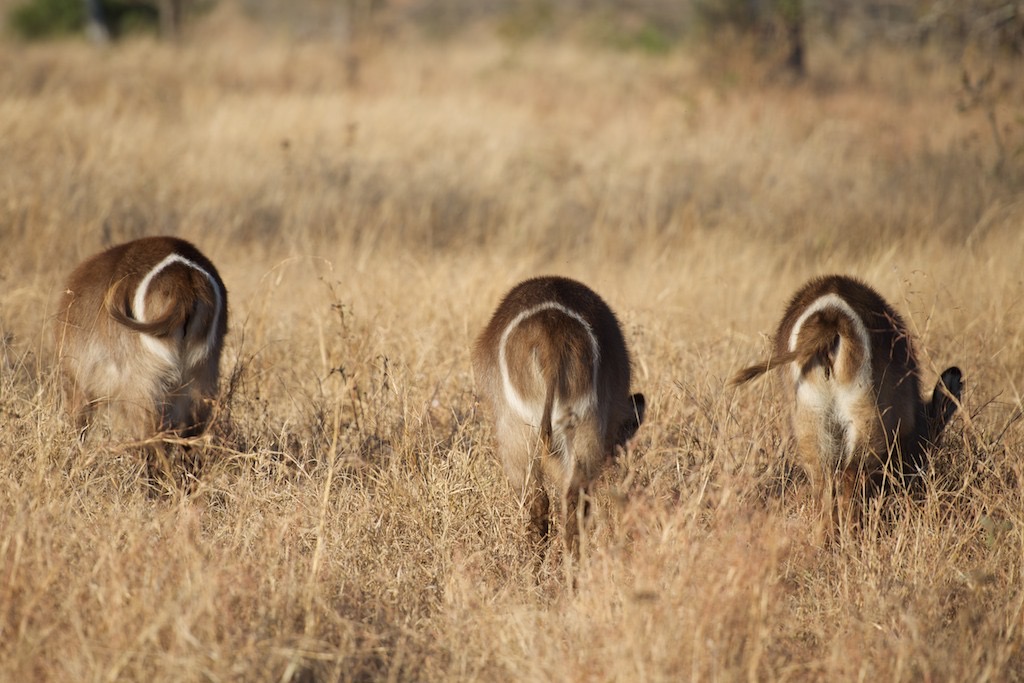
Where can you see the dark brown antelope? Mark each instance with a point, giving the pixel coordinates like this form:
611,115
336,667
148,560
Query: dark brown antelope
140,327
553,365
858,415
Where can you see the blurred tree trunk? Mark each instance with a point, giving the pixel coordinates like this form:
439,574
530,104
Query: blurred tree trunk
168,12
792,12
170,18
96,26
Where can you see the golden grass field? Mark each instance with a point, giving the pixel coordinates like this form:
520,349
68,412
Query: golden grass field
351,522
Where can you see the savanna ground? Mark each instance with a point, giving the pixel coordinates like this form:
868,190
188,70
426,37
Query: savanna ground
351,523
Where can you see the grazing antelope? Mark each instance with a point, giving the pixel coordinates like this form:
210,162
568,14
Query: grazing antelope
858,416
554,367
140,326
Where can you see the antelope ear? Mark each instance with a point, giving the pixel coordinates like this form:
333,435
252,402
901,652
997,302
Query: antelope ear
634,419
639,408
945,400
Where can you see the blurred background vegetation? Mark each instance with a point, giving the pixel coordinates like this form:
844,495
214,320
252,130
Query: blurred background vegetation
780,29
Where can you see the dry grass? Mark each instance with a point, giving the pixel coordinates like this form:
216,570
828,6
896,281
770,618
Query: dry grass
351,524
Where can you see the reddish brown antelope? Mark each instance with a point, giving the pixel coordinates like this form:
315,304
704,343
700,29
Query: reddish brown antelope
553,365
140,326
858,415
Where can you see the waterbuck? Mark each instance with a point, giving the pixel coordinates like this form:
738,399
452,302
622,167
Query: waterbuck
858,415
140,327
553,365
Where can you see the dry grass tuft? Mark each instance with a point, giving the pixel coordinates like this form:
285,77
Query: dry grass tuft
350,523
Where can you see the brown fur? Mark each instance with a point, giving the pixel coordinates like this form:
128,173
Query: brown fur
550,360
100,340
893,424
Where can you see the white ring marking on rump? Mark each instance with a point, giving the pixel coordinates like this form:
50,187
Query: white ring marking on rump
139,306
530,416
845,396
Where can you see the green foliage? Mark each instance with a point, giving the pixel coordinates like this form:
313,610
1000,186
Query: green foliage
716,15
748,15
37,19
527,20
791,11
647,36
42,19
994,24
649,39
127,17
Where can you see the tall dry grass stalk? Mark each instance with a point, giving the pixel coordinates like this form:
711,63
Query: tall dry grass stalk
351,523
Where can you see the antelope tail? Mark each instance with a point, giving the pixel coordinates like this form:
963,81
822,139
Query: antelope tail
754,371
944,402
821,345
549,406
117,307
